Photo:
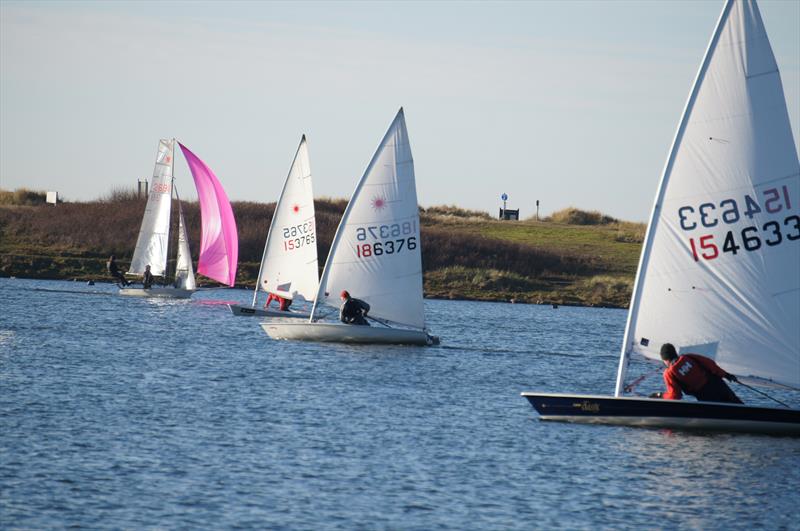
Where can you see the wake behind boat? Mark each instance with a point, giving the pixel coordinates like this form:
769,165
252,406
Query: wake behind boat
375,255
718,274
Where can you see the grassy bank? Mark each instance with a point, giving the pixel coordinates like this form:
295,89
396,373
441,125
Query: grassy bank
466,254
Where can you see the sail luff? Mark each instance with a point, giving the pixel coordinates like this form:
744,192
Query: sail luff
655,212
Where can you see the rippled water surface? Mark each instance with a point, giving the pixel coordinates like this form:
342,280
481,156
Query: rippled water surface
125,413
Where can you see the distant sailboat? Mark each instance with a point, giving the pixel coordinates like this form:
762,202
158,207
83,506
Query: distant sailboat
289,266
219,243
375,255
719,273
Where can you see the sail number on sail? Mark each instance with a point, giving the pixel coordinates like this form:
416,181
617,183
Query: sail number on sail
750,238
297,236
161,188
393,238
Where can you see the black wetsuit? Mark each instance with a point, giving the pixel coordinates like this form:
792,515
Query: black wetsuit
111,265
147,279
354,311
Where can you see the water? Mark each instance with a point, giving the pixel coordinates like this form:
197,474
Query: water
126,413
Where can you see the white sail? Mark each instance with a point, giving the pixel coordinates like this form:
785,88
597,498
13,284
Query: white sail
720,267
375,254
289,264
184,273
151,245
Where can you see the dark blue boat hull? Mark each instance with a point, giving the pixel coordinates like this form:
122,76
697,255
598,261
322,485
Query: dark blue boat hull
649,412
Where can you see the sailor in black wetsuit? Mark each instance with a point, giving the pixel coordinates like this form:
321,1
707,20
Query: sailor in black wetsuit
353,311
147,278
114,271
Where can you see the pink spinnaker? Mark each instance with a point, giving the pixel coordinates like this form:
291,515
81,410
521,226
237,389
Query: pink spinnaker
219,242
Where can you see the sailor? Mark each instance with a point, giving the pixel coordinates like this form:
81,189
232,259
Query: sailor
147,278
695,375
353,311
283,303
114,271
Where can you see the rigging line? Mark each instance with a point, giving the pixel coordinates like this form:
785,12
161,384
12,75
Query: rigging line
764,394
631,386
381,321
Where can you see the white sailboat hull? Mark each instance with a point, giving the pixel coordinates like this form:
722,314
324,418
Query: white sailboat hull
159,292
250,311
344,333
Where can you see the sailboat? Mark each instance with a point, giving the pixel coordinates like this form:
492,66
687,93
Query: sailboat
219,241
375,255
719,273
289,266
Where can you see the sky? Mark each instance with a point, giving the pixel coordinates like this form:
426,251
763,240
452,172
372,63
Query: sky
572,103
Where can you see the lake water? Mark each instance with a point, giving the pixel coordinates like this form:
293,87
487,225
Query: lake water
126,413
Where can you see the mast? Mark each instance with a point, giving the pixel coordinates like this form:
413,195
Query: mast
654,216
171,193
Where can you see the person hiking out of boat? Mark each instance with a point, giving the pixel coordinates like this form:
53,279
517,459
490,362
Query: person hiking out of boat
147,278
353,311
695,375
114,271
283,302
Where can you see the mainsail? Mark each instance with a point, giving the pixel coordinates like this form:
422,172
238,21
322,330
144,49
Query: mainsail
720,268
219,244
375,254
151,244
289,265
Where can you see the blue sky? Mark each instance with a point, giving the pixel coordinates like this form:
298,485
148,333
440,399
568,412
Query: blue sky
571,103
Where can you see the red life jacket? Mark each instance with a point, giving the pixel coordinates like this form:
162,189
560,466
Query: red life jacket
689,373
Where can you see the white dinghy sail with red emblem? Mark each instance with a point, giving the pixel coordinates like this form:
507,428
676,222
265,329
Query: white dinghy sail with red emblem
289,265
719,273
375,256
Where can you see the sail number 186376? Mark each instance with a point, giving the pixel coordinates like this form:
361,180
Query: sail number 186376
392,238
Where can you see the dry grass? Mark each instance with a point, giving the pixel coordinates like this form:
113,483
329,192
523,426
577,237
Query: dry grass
465,253
450,214
574,216
22,197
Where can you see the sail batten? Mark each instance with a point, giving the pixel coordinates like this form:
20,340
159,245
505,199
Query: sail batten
719,268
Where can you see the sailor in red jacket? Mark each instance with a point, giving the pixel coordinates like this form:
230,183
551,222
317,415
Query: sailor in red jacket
695,375
282,301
